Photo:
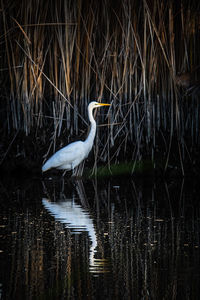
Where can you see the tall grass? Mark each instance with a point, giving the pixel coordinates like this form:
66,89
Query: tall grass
60,56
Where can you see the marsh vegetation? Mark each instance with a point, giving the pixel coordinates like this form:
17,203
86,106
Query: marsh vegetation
140,56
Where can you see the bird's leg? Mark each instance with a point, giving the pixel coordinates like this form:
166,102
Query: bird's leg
78,171
81,168
63,184
73,172
64,173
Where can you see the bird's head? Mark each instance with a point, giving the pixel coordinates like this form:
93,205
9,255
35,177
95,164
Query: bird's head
95,104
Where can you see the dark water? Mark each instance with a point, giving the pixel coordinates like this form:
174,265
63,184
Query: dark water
112,239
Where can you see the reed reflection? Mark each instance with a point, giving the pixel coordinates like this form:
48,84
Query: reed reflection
141,239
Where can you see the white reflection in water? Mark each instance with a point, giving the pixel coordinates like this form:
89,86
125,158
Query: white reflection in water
74,217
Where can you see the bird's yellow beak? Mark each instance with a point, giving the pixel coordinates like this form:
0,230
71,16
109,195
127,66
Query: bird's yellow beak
104,104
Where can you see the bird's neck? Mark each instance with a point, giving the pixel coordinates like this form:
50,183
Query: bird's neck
91,136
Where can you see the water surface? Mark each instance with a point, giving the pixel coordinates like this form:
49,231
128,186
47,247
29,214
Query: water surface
111,239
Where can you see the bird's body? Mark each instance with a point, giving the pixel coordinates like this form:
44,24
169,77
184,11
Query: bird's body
73,154
66,158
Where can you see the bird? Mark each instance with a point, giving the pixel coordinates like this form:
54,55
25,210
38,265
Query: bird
70,156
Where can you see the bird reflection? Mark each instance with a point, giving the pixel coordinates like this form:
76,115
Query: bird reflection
77,218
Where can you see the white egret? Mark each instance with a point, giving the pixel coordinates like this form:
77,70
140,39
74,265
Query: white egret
73,154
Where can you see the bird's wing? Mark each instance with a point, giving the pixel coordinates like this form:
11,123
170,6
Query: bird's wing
70,153
66,155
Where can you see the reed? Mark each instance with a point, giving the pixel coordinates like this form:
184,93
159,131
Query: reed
128,54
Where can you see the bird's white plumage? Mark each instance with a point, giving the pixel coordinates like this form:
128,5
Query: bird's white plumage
66,158
73,154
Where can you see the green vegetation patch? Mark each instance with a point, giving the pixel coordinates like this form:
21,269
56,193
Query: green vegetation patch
122,168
